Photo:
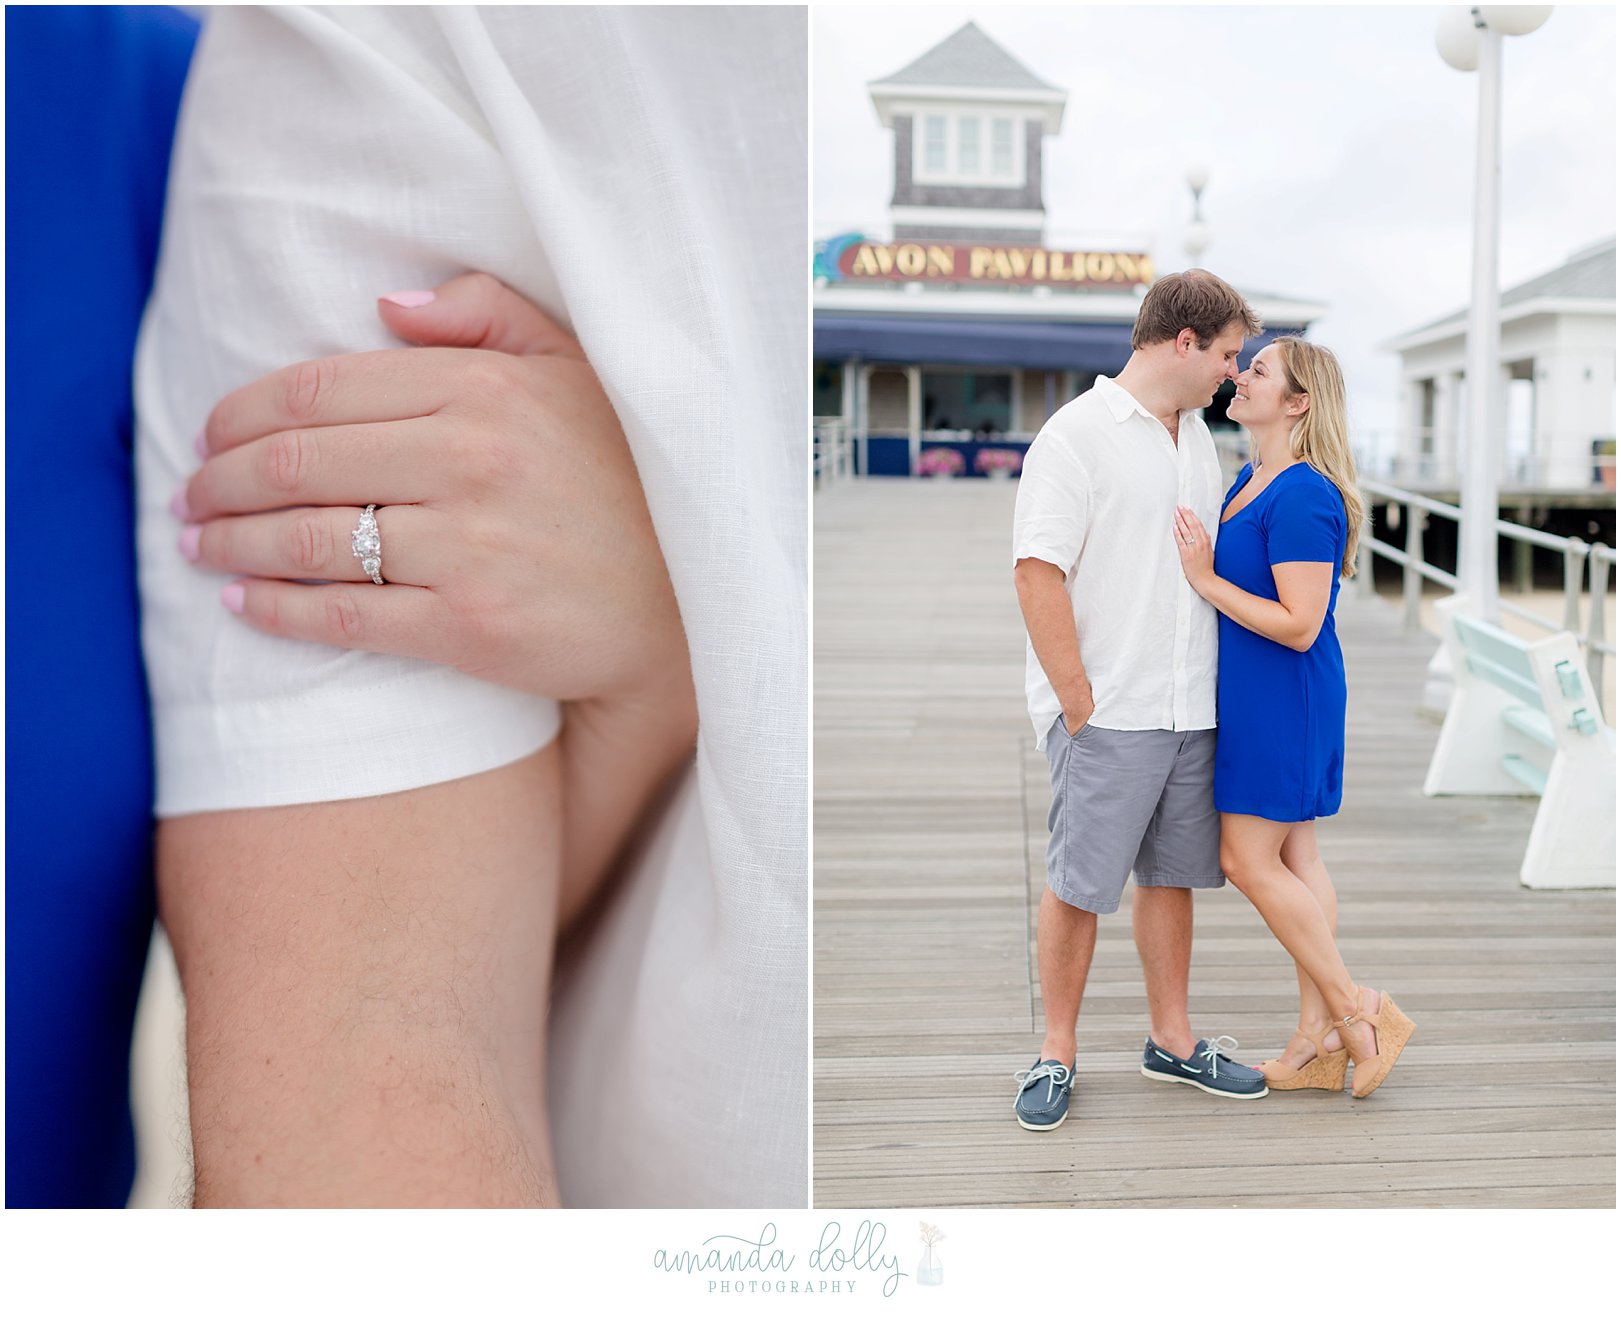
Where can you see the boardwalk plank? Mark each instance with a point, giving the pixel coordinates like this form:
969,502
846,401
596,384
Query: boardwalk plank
929,848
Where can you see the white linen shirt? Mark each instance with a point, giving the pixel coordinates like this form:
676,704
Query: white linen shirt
639,173
1098,499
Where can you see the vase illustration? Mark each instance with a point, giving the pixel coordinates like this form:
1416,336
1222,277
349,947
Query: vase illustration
930,1271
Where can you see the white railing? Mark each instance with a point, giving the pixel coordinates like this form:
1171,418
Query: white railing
1386,455
1597,559
832,452
1518,470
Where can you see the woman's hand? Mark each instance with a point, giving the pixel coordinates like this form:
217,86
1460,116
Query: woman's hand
1193,544
516,541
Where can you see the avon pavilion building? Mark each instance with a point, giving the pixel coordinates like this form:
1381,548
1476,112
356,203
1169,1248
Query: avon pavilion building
961,327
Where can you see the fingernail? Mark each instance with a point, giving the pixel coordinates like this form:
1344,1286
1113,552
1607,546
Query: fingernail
410,297
200,444
178,505
190,539
233,596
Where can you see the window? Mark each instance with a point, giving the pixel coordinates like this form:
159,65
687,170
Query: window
963,400
968,149
1002,148
968,146
934,144
827,389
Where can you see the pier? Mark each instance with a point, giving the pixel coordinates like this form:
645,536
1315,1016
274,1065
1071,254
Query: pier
930,836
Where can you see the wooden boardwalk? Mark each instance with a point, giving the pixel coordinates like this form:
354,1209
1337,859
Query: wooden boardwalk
930,830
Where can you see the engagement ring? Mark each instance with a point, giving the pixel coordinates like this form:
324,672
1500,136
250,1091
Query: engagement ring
367,544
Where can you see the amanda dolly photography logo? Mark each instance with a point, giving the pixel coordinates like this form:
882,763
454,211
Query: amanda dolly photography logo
836,1260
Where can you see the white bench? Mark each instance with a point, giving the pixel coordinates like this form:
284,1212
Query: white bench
1524,720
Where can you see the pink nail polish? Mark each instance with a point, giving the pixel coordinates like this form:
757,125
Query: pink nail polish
190,542
201,444
178,505
233,596
410,297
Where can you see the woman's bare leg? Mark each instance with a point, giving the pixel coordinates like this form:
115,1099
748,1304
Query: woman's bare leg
1301,857
1251,857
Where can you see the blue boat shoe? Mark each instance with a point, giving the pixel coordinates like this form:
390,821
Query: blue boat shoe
1043,1100
1208,1069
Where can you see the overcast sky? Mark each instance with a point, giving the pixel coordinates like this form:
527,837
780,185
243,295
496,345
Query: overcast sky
1340,147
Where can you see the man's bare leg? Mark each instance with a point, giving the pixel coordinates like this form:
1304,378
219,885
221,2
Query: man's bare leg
1162,922
1065,939
366,987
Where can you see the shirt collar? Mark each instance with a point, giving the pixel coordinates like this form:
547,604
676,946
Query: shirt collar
1121,403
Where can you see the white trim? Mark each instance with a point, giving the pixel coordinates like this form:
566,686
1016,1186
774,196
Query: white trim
1458,325
972,217
901,91
958,302
890,99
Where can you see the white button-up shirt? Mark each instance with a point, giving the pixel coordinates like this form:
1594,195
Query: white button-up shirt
1098,498
325,156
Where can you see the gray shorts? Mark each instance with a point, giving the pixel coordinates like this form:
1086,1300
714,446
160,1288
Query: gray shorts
1127,802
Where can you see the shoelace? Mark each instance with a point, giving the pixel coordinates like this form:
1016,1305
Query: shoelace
1054,1073
1212,1052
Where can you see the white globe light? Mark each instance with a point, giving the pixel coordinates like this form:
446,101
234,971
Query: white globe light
1515,20
1457,40
1198,239
1198,177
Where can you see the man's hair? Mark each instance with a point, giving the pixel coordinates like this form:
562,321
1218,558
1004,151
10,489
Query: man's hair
1195,300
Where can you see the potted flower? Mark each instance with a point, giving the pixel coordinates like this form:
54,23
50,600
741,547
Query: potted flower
930,1271
997,463
943,462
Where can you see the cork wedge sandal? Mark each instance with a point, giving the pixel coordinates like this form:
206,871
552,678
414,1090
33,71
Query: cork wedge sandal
1324,1071
1391,1030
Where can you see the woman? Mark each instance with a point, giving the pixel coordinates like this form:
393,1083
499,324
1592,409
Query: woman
93,92
1288,532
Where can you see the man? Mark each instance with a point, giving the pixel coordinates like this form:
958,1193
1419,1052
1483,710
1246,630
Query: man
1121,678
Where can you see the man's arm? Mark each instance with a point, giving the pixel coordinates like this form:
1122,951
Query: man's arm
1050,620
366,987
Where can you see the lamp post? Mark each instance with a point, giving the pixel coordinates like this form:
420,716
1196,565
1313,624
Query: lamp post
1198,235
1470,39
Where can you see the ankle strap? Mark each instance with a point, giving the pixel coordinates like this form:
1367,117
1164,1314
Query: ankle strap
1346,1022
1317,1039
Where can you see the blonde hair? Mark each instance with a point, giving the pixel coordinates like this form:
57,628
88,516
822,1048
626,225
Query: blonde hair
1321,436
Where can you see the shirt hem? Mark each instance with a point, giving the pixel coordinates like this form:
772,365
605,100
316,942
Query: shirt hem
430,728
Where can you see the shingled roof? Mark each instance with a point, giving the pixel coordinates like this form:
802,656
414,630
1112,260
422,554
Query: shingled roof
967,58
1590,274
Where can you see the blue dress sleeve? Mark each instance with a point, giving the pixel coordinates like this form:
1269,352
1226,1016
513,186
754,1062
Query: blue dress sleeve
1307,524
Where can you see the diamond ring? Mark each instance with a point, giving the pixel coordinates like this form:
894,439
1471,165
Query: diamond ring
367,544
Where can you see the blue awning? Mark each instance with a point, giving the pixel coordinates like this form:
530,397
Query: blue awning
1088,347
